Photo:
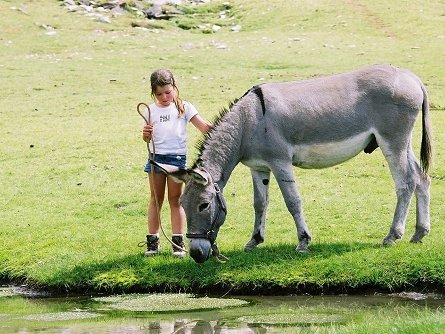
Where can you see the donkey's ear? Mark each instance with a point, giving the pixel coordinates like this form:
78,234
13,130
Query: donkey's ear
199,176
180,175
185,176
167,169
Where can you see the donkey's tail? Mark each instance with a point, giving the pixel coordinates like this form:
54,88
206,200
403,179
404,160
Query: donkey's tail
426,148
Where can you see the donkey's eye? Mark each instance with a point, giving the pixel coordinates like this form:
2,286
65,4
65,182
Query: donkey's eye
203,206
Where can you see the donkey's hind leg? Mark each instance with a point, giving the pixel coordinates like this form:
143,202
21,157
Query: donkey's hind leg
405,182
422,201
261,200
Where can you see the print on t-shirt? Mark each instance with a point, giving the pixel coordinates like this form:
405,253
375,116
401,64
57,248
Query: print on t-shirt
164,118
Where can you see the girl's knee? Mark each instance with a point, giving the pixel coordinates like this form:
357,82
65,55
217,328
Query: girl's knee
159,199
174,201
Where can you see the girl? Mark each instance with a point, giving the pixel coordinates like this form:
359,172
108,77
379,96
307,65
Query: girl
167,134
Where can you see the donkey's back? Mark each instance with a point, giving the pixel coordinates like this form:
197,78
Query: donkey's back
324,121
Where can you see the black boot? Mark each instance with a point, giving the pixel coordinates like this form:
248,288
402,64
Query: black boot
152,245
179,241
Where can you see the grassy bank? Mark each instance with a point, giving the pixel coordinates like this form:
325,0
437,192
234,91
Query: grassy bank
74,193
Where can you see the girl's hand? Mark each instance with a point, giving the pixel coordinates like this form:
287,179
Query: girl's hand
147,132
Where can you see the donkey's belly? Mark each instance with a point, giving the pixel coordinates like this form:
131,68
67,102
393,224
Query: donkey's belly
322,155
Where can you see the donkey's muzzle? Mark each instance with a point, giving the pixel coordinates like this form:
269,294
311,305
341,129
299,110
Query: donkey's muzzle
200,249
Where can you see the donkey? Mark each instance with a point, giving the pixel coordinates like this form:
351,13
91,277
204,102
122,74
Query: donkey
314,123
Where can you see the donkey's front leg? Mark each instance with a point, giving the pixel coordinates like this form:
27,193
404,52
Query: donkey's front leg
292,198
260,202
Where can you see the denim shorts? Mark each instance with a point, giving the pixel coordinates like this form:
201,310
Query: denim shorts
167,159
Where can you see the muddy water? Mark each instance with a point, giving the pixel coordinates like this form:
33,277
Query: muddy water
22,312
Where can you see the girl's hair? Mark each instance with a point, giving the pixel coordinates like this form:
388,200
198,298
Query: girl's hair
163,77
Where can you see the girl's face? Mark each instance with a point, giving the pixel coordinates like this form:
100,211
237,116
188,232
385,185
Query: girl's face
164,95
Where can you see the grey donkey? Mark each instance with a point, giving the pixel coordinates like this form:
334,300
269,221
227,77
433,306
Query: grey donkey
314,123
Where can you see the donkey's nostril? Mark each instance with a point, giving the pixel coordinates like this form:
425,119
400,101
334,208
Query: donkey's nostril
200,250
197,255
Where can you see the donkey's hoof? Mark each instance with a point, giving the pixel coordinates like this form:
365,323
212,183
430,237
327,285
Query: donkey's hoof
250,245
392,237
389,241
302,248
418,236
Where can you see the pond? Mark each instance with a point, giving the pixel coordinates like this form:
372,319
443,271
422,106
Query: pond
24,312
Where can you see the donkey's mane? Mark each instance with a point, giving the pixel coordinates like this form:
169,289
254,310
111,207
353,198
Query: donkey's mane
202,141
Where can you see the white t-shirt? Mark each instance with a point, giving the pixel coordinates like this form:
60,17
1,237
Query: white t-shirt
170,129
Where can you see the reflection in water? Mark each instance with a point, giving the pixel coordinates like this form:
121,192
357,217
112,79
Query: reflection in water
197,327
262,315
202,327
177,327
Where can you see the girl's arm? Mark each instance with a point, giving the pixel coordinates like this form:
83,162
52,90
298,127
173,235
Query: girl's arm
201,124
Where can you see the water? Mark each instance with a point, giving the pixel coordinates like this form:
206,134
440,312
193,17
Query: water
159,314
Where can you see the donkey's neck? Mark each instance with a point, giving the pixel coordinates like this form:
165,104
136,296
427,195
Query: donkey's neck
221,151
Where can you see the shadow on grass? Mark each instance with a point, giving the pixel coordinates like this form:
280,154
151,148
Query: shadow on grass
263,267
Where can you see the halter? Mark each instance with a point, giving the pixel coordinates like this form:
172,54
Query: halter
209,234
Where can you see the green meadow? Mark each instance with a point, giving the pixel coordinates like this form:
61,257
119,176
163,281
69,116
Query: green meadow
73,193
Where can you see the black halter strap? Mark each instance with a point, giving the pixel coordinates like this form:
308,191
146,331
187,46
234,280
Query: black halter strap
209,234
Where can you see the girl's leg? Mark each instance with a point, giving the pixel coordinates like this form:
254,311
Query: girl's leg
157,185
176,211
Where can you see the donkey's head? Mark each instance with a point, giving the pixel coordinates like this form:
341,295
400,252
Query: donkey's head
205,209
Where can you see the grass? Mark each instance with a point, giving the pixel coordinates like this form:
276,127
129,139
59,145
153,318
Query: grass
74,194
